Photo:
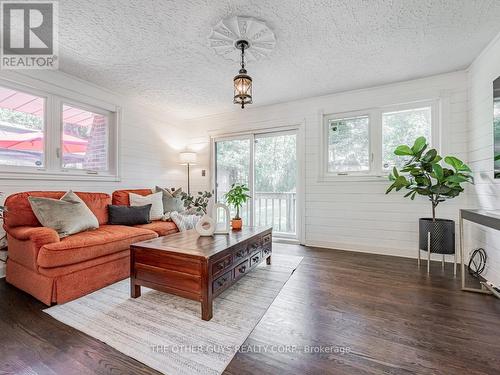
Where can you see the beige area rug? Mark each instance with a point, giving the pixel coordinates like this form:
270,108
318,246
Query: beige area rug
166,332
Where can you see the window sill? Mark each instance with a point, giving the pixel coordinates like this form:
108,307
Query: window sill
353,178
61,176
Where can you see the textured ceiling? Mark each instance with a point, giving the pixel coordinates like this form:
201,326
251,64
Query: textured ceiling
156,51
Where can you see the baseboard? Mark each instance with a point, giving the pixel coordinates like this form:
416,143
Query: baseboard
401,252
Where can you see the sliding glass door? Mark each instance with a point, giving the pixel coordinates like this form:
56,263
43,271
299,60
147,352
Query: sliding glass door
233,159
267,164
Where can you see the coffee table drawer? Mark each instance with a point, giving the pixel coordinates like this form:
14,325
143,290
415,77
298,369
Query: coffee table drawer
241,269
254,245
221,265
222,282
240,253
267,239
255,258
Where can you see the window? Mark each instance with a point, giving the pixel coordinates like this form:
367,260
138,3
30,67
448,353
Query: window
403,127
43,135
362,143
84,139
22,129
348,144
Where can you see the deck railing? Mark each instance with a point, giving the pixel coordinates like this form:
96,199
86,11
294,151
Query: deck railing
276,209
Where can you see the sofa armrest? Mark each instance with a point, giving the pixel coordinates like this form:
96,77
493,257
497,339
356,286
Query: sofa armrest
38,235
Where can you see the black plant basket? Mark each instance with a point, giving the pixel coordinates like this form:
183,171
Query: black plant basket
442,235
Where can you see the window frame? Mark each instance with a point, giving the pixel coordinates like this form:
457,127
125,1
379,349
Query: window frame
375,115
53,127
342,116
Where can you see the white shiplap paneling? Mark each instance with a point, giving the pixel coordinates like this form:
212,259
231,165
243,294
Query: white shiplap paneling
486,192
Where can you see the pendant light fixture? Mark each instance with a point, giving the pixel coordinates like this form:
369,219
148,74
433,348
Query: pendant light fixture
242,81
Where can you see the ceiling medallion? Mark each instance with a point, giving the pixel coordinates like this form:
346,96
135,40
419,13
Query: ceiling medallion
227,32
235,38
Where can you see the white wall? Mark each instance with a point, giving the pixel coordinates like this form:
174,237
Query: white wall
149,142
486,192
353,215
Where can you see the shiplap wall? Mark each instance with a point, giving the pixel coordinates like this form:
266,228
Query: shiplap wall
352,215
486,192
149,143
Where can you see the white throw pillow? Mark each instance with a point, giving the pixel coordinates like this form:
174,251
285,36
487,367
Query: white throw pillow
155,200
184,222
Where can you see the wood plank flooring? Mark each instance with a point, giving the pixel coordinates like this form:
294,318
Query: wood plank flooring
386,315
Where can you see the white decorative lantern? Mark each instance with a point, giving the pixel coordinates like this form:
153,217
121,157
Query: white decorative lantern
223,226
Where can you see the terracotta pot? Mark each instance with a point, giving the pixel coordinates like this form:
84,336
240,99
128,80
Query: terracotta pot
236,224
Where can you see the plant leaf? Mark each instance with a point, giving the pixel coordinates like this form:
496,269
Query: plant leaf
438,171
419,145
403,150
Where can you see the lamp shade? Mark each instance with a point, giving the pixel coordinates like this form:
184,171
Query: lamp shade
187,158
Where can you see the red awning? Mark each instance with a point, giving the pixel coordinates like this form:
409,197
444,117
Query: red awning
33,141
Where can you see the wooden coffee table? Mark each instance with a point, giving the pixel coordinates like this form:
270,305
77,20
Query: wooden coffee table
198,268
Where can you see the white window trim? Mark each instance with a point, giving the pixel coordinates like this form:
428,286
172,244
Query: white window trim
52,168
376,172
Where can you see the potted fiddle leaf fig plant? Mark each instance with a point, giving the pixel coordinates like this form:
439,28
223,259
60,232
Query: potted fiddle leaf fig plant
425,174
237,196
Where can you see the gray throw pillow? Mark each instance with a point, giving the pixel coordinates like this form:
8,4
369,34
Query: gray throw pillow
171,200
68,215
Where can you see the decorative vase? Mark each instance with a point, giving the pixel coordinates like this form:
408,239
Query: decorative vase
223,226
442,235
236,224
205,226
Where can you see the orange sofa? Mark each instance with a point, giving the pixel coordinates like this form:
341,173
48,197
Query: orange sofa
56,270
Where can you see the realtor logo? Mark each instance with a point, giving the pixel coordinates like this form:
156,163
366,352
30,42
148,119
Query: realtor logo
29,35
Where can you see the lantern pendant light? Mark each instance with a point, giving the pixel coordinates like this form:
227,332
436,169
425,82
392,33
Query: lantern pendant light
242,82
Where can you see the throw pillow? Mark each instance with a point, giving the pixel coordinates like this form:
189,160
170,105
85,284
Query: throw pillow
155,200
184,222
129,215
68,215
171,200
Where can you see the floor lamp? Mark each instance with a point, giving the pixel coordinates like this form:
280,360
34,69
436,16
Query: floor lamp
188,158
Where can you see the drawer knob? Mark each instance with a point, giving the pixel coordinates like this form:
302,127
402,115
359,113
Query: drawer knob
255,259
221,282
242,269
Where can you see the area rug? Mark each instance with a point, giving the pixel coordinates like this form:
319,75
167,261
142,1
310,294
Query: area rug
166,332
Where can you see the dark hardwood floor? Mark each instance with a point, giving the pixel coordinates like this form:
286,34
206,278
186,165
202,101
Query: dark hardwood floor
387,316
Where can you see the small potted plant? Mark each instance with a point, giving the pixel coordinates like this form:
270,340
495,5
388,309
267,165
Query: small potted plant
423,174
237,196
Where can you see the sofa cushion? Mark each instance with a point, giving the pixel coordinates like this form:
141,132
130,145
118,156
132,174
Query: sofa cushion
161,227
19,212
68,215
127,215
172,200
107,239
155,200
120,197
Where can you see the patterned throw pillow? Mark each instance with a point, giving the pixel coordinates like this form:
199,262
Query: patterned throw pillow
171,200
68,215
184,222
155,200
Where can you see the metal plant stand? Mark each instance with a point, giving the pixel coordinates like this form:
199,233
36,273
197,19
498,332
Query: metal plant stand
438,237
429,257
